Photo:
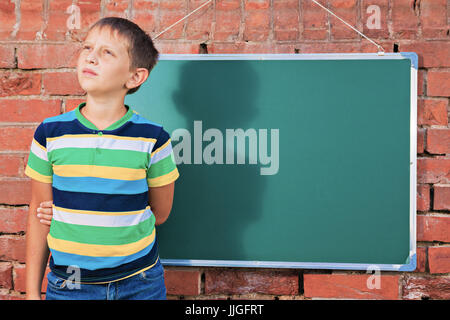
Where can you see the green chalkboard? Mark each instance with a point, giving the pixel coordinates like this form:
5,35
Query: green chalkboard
288,160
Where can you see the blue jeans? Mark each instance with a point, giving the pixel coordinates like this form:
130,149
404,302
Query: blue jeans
147,285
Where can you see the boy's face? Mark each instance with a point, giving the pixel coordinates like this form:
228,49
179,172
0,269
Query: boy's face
108,57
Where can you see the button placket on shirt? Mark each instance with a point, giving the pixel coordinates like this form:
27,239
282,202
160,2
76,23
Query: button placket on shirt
97,147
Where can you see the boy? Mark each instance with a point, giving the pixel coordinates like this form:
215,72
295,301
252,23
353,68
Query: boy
110,174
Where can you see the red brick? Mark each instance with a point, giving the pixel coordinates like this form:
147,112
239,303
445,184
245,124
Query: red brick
5,275
315,23
347,11
286,35
90,13
60,83
368,47
368,17
438,83
12,248
257,25
36,56
13,219
432,54
12,296
439,259
421,259
199,24
73,103
19,83
24,164
173,4
144,14
442,201
433,170
420,82
286,4
228,5
423,197
34,110
182,282
169,17
16,138
286,23
438,141
330,47
248,47
405,22
31,20
15,192
313,15
421,287
7,59
350,286
227,25
433,228
56,27
432,112
8,19
176,47
20,278
147,21
315,34
118,8
241,282
256,4
420,140
433,19
11,165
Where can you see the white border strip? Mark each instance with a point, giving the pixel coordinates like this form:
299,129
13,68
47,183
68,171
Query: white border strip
282,265
283,56
413,171
410,264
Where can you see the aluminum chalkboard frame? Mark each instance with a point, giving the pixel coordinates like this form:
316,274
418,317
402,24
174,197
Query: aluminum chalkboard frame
410,264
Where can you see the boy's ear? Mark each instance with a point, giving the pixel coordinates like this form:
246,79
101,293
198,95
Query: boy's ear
139,76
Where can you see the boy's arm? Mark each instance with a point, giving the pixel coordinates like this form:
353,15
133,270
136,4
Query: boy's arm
161,175
37,251
160,200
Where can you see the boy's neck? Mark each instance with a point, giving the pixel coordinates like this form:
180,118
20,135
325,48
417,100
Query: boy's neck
103,113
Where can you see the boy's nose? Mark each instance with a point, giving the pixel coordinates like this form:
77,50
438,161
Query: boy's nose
91,57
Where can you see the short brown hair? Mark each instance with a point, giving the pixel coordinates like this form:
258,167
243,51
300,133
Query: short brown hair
141,50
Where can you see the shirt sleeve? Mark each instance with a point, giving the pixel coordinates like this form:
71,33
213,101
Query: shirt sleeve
162,169
38,166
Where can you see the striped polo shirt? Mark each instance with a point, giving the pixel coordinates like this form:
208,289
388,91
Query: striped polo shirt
102,220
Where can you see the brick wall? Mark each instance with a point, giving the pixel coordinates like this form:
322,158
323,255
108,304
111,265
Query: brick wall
38,80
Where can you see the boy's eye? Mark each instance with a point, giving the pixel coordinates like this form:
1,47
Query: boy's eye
88,47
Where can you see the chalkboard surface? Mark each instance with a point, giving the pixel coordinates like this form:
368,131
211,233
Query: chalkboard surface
288,160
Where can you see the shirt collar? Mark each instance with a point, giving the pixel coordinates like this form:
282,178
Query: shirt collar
84,121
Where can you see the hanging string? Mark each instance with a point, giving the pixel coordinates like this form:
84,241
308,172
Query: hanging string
381,52
169,27
380,48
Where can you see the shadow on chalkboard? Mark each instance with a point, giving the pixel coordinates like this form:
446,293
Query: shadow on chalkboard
216,203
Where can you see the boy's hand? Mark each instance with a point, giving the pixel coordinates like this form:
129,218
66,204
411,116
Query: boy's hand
45,212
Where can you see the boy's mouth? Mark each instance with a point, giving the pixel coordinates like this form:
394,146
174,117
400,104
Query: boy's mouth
88,71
